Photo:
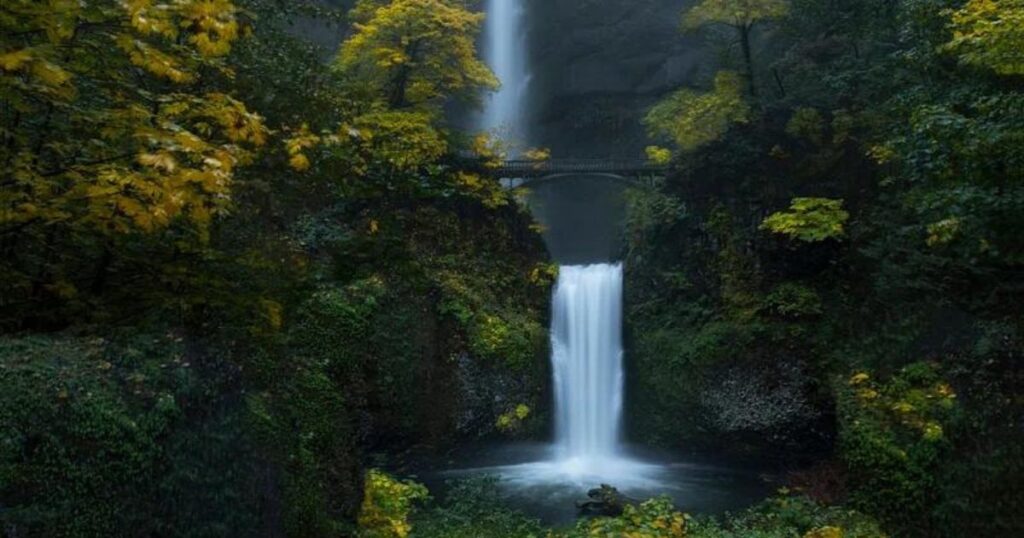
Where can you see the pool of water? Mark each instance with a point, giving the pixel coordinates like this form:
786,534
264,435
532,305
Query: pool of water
538,482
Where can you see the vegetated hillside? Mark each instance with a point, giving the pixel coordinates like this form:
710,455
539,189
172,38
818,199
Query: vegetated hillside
232,272
831,275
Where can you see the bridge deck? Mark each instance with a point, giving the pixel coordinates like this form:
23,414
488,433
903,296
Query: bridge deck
539,169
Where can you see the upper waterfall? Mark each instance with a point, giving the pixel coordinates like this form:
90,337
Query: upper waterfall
505,52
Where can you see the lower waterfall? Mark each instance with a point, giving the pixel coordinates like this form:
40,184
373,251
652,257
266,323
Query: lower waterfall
586,355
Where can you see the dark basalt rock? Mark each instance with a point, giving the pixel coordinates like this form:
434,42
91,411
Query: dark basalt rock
604,501
598,65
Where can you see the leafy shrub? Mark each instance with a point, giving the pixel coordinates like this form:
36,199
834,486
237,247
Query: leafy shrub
794,300
788,516
892,437
95,440
513,420
806,123
653,518
387,505
810,220
692,119
475,508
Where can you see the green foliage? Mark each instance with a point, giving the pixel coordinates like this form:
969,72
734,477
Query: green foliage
872,135
475,508
302,424
789,516
810,220
794,300
693,119
515,340
892,436
98,439
806,123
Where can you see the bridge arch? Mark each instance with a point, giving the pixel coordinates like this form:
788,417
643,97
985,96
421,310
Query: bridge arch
515,173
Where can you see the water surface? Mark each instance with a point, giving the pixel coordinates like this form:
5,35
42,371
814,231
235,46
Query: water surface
539,482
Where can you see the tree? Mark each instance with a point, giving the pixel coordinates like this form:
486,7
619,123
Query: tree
416,52
124,137
117,121
810,220
740,15
693,119
990,34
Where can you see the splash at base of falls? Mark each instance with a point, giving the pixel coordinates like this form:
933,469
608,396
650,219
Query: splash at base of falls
536,479
626,474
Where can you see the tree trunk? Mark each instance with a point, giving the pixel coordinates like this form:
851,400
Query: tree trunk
748,57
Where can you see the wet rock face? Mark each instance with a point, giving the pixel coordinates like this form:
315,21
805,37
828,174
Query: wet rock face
765,399
756,405
598,65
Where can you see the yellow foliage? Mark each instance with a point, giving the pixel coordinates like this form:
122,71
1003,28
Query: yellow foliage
522,411
654,518
882,154
489,149
387,504
989,34
544,274
693,119
513,419
154,60
402,140
537,154
739,13
825,532
810,220
14,60
917,409
295,145
943,232
127,160
417,52
658,155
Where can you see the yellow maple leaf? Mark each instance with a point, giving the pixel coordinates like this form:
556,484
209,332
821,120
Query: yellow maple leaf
14,60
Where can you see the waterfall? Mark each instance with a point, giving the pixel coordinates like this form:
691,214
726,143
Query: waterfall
586,338
505,53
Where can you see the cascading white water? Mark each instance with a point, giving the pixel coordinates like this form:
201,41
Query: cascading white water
505,53
586,338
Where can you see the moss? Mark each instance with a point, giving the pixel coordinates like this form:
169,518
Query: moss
103,435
